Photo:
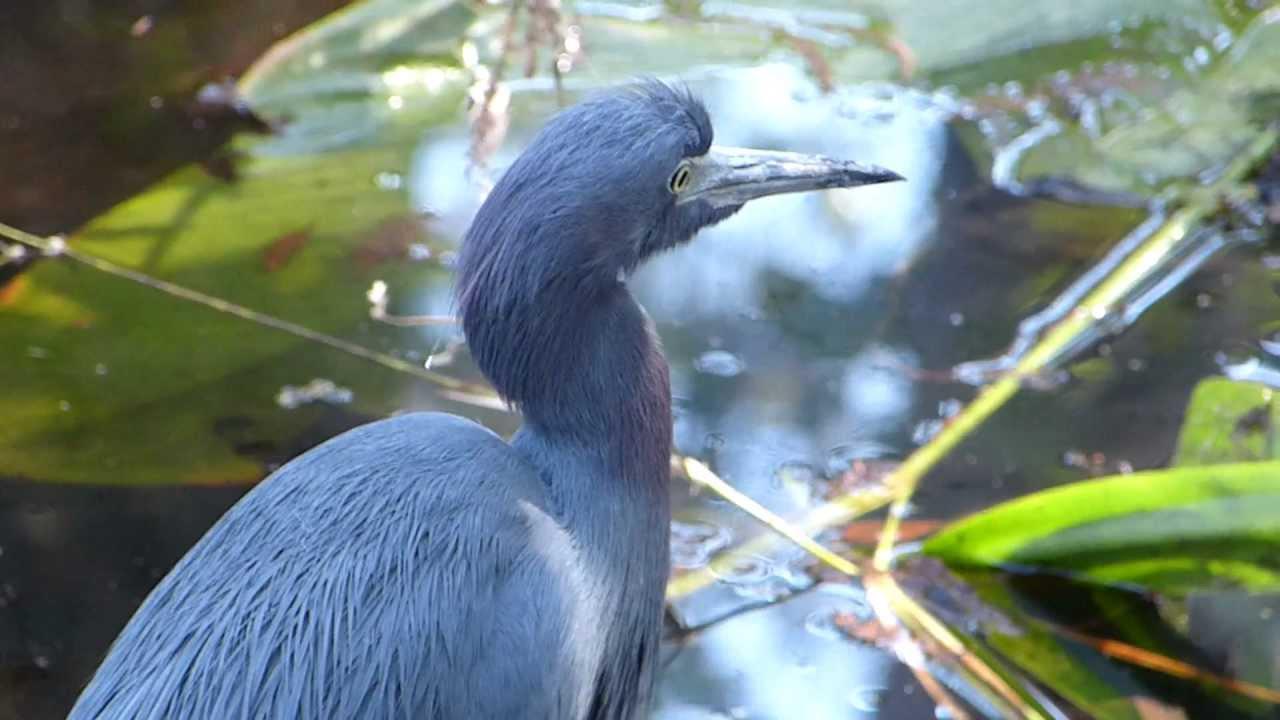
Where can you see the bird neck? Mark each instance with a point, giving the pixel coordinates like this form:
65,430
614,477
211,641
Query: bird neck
584,366
579,357
598,423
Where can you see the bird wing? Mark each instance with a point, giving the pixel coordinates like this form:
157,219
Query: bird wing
405,569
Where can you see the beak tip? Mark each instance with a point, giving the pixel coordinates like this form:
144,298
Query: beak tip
875,175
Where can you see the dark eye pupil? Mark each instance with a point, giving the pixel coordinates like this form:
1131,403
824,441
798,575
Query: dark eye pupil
680,179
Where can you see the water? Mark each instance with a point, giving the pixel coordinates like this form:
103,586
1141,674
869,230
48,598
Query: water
806,335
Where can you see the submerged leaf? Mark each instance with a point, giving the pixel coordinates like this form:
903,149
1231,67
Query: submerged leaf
1104,649
1140,140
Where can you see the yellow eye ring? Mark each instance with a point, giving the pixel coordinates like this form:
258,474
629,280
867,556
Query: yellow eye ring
680,179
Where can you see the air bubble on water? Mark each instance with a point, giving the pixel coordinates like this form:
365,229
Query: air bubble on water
949,408
693,544
925,431
867,699
841,458
822,624
746,570
719,362
771,589
794,472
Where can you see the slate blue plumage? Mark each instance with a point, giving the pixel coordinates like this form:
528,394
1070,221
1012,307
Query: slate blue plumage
420,566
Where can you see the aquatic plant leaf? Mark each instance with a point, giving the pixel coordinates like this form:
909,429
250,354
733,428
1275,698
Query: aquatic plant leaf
109,380
1143,134
1172,531
1229,421
1044,623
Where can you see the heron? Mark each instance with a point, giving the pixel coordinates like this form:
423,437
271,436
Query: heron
420,566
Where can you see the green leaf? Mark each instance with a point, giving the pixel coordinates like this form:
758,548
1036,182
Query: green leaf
1229,421
109,380
1173,531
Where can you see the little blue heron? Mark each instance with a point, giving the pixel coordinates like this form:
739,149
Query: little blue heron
420,566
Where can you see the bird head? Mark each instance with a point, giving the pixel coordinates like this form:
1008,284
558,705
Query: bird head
616,179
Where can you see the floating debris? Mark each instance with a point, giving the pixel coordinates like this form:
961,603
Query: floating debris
142,26
387,180
318,390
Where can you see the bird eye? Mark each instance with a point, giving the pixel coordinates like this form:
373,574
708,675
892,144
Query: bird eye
680,178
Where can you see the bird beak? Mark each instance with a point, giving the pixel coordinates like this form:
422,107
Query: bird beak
728,176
